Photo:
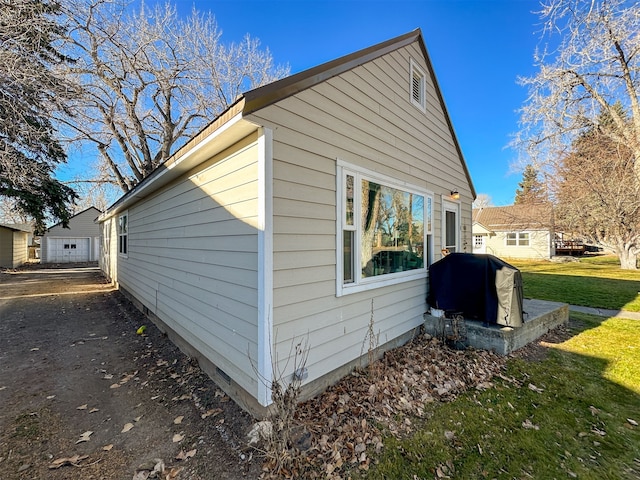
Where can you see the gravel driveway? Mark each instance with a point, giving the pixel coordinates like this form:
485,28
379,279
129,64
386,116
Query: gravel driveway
81,391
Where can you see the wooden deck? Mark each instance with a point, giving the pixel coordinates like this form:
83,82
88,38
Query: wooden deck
570,248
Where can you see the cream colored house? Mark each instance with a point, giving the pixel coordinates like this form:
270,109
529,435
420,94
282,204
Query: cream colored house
310,207
14,243
514,231
79,242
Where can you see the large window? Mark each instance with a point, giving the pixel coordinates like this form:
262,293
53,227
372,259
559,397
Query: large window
123,234
385,230
518,239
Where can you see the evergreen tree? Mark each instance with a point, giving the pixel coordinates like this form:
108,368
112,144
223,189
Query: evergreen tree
530,190
29,92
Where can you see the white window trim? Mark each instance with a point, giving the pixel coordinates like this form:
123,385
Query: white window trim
451,206
517,234
363,284
415,68
123,214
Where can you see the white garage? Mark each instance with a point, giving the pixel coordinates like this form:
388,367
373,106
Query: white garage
80,242
66,250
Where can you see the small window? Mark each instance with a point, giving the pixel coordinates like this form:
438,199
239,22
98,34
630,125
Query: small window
518,239
66,246
418,87
123,234
73,245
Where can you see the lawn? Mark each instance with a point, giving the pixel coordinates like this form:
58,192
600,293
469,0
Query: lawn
571,412
592,281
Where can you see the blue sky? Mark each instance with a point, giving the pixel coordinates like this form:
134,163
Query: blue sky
478,49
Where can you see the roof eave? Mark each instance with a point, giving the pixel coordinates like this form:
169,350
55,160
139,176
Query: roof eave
225,130
273,92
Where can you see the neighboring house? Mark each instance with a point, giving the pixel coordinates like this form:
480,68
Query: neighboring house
80,242
306,213
14,245
514,231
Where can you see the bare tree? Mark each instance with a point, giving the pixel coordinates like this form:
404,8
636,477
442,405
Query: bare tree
152,79
29,91
483,200
595,65
597,195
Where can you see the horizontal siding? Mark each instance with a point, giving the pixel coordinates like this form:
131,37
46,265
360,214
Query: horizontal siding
81,225
6,247
363,117
193,259
539,247
13,248
20,248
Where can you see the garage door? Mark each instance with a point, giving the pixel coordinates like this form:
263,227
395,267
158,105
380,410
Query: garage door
65,250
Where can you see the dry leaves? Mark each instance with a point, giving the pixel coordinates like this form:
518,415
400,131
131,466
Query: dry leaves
343,419
178,420
186,455
85,437
211,413
178,437
127,427
533,388
74,461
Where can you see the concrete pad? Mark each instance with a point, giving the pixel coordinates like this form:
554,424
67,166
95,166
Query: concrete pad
540,317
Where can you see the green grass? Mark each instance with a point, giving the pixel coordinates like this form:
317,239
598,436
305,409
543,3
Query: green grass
592,282
571,424
585,390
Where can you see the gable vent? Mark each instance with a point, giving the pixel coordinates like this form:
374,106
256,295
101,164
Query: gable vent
418,87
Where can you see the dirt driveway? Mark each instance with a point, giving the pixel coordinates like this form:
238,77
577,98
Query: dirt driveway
76,380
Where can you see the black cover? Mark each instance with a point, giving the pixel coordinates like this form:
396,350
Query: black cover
465,282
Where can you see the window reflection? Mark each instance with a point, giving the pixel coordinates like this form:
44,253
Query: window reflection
392,237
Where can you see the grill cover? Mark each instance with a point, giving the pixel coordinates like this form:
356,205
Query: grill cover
482,287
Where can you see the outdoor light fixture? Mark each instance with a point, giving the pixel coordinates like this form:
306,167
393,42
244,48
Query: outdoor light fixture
455,195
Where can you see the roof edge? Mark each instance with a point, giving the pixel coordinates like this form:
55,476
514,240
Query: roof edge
273,92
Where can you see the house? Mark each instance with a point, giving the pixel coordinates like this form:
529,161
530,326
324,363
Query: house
14,245
514,231
305,214
80,242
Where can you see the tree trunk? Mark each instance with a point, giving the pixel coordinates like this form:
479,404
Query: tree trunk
627,257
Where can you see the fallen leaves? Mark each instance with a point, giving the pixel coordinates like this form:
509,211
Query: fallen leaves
211,413
127,427
178,437
527,424
74,461
533,388
347,416
178,419
186,455
85,437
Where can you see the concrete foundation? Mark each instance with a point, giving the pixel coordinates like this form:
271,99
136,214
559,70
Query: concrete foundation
540,317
